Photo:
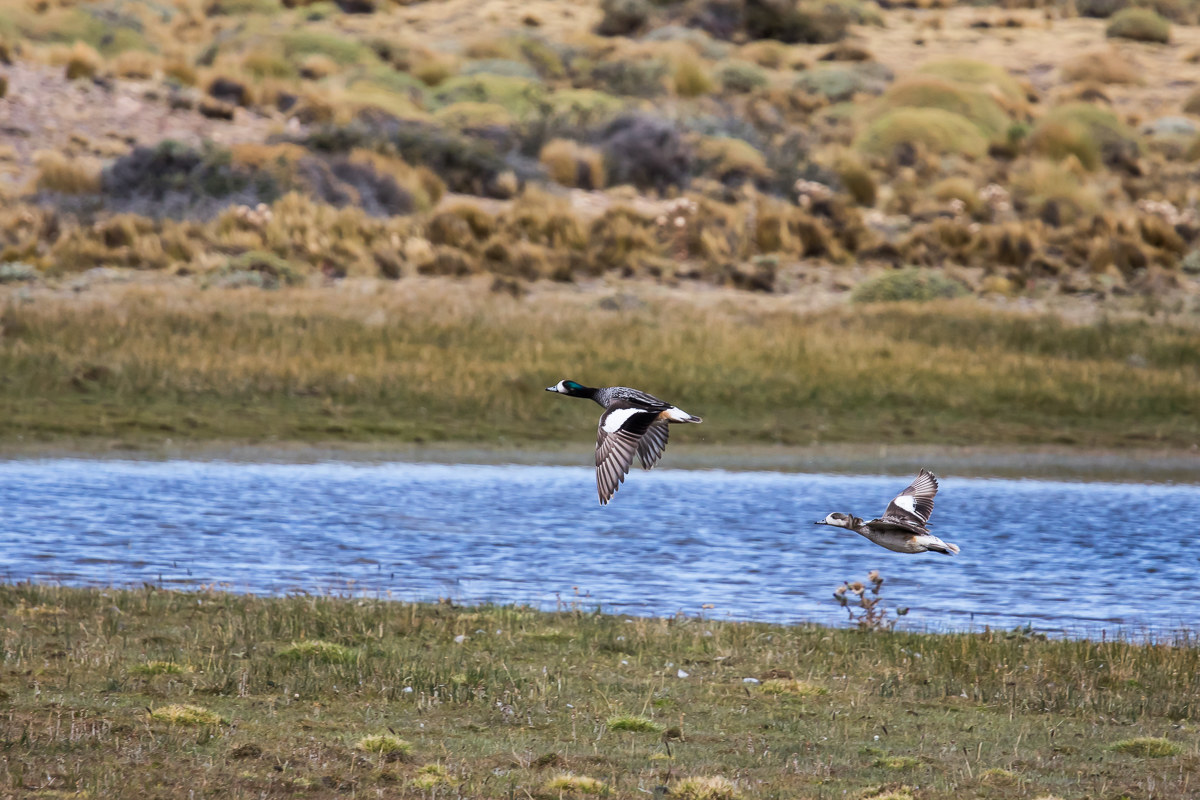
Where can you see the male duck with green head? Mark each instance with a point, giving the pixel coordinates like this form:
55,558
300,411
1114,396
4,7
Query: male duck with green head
632,422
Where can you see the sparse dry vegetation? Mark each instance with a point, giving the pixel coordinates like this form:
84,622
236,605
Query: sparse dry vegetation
523,705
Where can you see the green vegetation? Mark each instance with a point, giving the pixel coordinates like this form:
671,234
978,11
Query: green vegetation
631,722
1139,24
440,361
935,129
919,285
511,710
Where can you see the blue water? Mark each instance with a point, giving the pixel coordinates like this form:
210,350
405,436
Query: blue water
1072,558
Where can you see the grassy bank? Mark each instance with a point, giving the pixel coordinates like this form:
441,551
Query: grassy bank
323,697
431,361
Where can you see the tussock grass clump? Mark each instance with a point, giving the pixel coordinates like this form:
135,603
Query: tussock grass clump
1147,747
1139,25
907,285
384,744
691,77
158,668
711,787
927,91
899,763
740,76
572,164
1107,66
1093,135
622,17
934,129
993,79
319,650
568,784
791,686
83,62
59,173
185,715
634,723
432,776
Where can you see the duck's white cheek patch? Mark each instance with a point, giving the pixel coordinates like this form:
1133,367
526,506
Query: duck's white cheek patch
615,420
906,502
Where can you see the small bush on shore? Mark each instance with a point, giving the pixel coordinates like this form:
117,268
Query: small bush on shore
911,285
1139,25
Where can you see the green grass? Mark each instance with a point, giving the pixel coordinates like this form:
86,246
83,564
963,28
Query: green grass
446,362
513,712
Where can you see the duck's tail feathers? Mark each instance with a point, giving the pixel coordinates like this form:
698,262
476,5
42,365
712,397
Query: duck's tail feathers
944,547
674,414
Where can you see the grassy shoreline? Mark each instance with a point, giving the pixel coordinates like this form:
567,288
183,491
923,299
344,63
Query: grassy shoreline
433,362
248,696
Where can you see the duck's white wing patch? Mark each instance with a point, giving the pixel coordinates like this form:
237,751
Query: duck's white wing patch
915,503
616,418
650,448
619,437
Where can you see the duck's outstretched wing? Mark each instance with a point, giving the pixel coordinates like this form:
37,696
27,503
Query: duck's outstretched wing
654,441
910,509
621,432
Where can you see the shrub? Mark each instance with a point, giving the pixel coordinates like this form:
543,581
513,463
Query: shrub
500,66
1140,25
632,78
170,179
317,66
935,129
795,23
691,78
646,151
1102,66
909,284
840,83
297,44
927,91
467,114
136,65
1092,134
623,17
157,668
740,76
1101,9
572,164
1192,104
17,272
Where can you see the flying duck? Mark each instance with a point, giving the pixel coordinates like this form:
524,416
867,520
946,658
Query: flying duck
902,527
633,421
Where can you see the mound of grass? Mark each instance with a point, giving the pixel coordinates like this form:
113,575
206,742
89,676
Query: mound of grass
432,776
1092,134
1147,747
299,44
633,722
185,715
572,164
1107,66
319,650
927,91
58,173
791,686
740,76
469,114
1139,25
1100,9
990,78
711,787
840,83
157,668
622,17
796,22
566,784
691,77
384,744
898,763
907,285
935,129
731,160
522,97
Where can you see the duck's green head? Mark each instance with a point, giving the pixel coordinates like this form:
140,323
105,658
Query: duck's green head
571,388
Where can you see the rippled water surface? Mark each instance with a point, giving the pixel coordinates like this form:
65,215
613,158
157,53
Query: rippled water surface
1074,557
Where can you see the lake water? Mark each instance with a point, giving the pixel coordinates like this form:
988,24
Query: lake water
1076,558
